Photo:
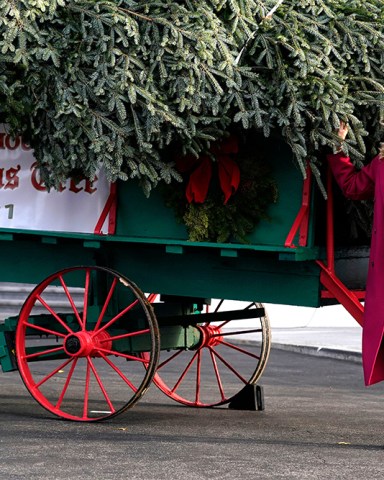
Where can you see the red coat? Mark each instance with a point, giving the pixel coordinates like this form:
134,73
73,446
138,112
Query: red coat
368,183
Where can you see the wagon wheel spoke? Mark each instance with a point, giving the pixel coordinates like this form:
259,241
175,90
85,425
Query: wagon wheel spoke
67,381
86,294
198,377
217,375
86,392
45,330
124,335
106,303
49,351
184,373
172,357
117,317
54,372
101,385
227,321
227,363
103,344
238,332
123,355
71,301
119,372
53,313
241,350
219,305
229,366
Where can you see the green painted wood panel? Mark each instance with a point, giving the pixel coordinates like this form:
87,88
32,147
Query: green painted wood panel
197,271
150,218
201,272
28,260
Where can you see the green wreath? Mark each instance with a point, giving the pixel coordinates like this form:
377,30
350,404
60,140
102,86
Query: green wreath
222,216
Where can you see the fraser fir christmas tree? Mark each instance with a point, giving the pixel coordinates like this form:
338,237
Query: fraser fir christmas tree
122,83
114,82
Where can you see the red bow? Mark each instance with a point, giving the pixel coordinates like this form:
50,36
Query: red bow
200,178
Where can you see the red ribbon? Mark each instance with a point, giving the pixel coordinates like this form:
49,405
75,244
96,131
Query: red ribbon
200,178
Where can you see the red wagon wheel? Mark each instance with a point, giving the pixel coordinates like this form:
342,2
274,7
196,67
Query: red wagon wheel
224,361
86,365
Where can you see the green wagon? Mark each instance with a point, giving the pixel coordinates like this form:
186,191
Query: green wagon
145,304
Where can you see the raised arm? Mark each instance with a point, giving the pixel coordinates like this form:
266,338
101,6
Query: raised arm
355,184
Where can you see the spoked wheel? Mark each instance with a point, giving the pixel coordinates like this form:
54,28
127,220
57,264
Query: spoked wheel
224,361
87,365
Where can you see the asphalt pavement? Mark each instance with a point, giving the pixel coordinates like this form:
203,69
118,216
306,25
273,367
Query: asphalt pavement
319,422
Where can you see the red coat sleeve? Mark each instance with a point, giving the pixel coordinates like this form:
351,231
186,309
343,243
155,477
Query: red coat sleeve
355,184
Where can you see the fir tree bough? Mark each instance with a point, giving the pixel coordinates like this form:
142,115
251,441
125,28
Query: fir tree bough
117,83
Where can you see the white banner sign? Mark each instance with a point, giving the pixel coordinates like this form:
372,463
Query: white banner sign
25,202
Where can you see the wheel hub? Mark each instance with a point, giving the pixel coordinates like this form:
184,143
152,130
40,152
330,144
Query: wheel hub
72,344
86,343
211,335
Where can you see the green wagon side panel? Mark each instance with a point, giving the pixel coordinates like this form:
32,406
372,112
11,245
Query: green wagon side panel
252,276
29,259
149,218
192,271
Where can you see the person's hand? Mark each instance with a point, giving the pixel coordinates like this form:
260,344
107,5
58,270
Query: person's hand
342,132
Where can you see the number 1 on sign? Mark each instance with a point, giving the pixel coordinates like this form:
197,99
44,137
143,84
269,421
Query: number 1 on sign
10,208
